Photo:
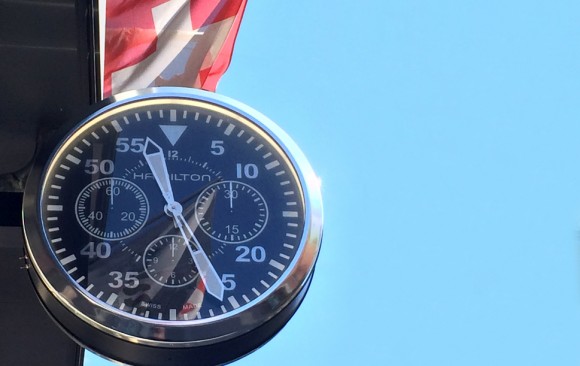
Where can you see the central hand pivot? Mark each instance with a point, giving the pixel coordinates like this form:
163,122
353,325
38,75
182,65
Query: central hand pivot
173,209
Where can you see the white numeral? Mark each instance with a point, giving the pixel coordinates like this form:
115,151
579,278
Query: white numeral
256,254
99,250
217,147
246,170
136,144
228,281
130,279
93,166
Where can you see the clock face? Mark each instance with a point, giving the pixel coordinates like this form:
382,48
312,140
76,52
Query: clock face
167,209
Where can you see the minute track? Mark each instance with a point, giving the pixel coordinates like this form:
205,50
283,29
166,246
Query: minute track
247,256
227,205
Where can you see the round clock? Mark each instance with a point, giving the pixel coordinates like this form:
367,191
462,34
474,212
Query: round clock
172,226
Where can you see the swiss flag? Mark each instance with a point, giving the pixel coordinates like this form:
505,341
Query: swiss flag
166,43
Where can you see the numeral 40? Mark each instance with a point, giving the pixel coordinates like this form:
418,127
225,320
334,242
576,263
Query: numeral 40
99,250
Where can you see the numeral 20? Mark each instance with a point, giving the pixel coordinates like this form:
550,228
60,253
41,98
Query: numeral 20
255,254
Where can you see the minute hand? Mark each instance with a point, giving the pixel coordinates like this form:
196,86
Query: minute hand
153,154
156,161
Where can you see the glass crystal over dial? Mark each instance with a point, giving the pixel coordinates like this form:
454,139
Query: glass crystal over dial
173,216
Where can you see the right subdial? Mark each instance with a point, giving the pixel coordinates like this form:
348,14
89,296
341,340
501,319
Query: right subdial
231,211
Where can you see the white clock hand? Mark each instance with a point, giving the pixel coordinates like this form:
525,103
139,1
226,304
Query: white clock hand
153,154
208,274
156,161
231,196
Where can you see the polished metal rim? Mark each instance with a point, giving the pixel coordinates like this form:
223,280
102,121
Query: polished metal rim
97,314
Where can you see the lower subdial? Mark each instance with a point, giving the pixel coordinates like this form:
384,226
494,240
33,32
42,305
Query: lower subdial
112,208
231,212
168,261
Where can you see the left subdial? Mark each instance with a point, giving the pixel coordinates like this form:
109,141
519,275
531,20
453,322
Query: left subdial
112,208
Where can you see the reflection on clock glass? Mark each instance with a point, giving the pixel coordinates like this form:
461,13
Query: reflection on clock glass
172,209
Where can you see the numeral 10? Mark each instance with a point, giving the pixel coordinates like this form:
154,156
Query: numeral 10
249,171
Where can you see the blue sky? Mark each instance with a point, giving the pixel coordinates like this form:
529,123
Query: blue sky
447,138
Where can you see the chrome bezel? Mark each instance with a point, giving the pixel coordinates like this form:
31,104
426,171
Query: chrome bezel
99,315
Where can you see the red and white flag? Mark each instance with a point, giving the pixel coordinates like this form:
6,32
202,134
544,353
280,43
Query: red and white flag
146,43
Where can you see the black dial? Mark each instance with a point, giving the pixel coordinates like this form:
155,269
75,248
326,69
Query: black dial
148,152
172,209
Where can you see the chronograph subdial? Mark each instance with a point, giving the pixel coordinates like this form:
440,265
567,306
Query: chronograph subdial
168,262
112,208
231,212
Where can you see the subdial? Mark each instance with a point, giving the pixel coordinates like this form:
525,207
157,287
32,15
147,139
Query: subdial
168,262
112,208
231,212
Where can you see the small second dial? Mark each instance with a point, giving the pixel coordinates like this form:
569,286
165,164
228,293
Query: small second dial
168,261
112,208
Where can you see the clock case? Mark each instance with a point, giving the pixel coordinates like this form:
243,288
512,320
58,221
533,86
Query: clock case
121,338
46,74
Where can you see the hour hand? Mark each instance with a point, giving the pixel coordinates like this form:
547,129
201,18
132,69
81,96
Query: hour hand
153,154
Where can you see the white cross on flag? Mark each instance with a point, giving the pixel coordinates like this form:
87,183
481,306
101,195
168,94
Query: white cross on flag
150,43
